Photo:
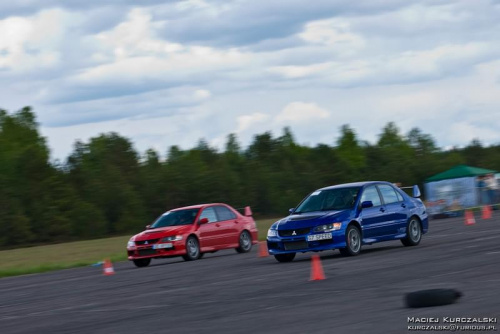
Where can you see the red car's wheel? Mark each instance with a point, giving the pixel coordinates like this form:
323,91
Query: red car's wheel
142,262
245,242
192,249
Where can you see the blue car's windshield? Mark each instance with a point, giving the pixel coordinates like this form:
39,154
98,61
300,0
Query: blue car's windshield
329,199
175,218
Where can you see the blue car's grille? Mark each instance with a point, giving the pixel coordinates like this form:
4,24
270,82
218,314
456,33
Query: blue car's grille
295,245
293,233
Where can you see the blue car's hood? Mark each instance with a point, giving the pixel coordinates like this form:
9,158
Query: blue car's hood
311,219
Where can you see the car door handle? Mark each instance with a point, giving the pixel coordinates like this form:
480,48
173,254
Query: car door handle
217,225
403,205
382,210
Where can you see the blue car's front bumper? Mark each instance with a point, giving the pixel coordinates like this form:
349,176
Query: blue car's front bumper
299,244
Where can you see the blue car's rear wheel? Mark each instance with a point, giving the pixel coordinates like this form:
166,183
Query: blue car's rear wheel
284,257
413,232
352,240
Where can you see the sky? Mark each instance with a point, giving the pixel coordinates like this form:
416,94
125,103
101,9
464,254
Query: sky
168,73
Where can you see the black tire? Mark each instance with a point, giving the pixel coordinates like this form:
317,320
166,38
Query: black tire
192,249
245,242
433,297
142,262
285,257
353,241
413,232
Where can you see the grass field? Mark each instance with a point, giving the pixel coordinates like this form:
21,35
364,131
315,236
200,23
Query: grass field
74,254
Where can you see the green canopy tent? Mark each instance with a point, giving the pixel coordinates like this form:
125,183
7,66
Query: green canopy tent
459,172
454,189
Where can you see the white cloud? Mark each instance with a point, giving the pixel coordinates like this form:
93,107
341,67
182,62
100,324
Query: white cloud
299,71
332,32
202,94
136,37
419,18
246,122
441,59
135,50
407,67
32,42
300,112
462,132
187,64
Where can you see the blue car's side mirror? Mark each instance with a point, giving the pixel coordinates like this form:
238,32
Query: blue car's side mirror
291,210
366,204
416,191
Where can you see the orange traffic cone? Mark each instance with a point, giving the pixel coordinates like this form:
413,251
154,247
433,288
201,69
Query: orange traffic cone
263,252
316,269
108,268
486,212
469,218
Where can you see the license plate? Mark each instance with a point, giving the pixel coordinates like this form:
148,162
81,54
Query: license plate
160,246
316,237
146,252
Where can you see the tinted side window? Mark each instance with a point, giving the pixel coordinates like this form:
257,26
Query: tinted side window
210,214
224,213
371,194
388,193
400,197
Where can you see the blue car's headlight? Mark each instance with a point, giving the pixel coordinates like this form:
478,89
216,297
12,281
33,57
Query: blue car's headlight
272,233
172,238
328,227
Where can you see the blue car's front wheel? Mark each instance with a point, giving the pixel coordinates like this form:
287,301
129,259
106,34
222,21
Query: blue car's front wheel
284,257
352,240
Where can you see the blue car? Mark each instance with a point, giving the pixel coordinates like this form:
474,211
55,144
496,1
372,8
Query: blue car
347,216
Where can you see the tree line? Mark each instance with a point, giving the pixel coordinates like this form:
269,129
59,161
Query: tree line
105,187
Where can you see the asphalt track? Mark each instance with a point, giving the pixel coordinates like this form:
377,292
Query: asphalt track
228,292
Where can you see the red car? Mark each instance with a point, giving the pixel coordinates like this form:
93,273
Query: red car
192,231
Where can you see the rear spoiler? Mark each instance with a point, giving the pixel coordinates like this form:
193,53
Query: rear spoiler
247,211
415,190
